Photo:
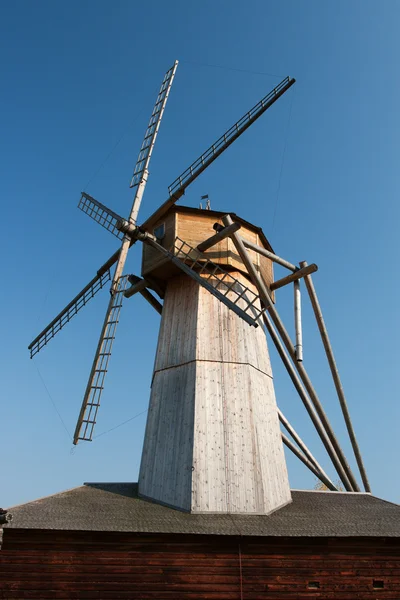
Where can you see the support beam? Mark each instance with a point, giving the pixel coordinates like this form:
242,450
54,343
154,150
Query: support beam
307,402
221,235
307,463
152,300
297,321
154,285
335,375
139,287
294,276
277,259
341,465
304,448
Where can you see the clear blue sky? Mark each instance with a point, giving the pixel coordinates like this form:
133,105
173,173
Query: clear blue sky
319,172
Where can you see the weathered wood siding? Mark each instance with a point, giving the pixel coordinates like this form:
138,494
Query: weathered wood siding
212,441
84,565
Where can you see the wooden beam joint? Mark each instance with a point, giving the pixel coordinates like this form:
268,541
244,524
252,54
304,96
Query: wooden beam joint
218,237
294,276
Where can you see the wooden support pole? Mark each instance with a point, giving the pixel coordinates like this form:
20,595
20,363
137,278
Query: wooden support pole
221,235
138,286
304,448
153,284
277,259
294,276
341,465
307,462
152,300
307,402
335,375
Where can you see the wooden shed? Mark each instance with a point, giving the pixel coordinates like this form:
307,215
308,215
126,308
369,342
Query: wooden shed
102,541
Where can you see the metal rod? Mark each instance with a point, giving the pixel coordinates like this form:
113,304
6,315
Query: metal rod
221,235
307,462
297,321
307,403
303,447
294,276
342,466
277,259
335,375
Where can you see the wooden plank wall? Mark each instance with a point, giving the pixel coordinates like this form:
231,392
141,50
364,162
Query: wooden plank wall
212,441
79,565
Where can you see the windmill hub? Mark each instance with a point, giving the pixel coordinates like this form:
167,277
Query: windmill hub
127,228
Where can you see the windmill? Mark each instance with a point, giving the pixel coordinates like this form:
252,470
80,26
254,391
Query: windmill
213,441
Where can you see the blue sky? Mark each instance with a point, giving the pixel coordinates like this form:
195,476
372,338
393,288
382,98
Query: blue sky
319,172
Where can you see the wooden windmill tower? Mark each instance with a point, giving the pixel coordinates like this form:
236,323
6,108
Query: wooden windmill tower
213,441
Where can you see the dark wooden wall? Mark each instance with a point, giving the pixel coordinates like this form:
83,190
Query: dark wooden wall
79,565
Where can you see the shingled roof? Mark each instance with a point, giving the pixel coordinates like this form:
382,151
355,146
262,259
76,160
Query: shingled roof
116,507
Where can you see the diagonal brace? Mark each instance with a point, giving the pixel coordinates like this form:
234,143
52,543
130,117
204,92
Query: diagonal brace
335,375
310,465
322,475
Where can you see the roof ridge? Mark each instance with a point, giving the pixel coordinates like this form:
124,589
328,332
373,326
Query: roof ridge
45,497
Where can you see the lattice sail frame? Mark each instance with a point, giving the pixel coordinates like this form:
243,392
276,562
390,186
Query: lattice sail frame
228,137
101,214
69,311
94,390
152,128
219,282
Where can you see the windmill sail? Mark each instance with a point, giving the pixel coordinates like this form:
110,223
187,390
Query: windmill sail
91,401
89,291
101,214
152,129
178,187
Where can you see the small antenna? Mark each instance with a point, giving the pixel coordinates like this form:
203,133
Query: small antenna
208,203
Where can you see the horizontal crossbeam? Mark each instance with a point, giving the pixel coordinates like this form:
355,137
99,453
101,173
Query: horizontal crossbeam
294,276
